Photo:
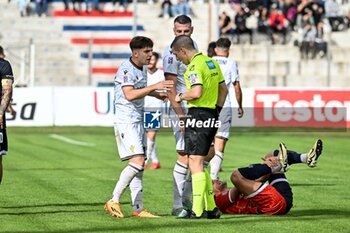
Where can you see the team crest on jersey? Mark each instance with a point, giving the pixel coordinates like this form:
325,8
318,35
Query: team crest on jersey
170,60
210,65
193,78
191,68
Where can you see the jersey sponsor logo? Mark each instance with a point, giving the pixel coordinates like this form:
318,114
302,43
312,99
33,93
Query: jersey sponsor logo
210,65
151,120
193,78
170,60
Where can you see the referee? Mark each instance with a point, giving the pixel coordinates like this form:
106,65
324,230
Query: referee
205,97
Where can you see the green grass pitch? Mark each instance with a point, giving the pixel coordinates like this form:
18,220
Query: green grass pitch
53,186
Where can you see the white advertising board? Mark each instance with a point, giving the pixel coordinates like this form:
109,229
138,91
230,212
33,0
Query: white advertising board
92,106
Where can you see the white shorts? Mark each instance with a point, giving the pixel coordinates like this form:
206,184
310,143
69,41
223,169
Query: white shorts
226,118
130,139
179,136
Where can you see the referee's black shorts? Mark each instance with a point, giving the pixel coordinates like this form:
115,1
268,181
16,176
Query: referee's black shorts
199,139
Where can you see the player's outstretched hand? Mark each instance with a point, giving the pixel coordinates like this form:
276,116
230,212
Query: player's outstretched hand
164,85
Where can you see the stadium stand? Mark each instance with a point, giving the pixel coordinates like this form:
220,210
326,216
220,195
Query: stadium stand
62,46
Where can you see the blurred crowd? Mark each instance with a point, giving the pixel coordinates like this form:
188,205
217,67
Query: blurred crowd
277,18
274,18
39,7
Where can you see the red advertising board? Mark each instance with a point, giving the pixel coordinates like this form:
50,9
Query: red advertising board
302,108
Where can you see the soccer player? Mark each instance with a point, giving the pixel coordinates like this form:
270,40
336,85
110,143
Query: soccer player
130,88
174,70
230,71
154,75
6,77
205,97
251,195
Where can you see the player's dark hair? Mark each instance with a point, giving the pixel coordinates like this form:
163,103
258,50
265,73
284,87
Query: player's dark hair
140,42
183,19
2,51
211,49
182,42
223,43
156,55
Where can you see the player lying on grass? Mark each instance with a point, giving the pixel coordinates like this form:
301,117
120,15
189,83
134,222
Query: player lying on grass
251,195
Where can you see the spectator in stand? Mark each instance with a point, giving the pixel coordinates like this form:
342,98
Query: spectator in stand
167,9
305,18
277,24
333,14
241,24
123,5
22,6
303,7
225,24
291,15
253,5
40,7
94,5
263,16
308,42
317,12
235,3
67,3
182,8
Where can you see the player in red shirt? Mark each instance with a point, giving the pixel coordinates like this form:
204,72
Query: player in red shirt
251,195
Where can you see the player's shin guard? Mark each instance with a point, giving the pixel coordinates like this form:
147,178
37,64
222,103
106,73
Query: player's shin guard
209,197
136,192
179,178
187,193
254,171
125,178
154,156
150,147
215,164
198,187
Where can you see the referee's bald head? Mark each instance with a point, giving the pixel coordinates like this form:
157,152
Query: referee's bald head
182,42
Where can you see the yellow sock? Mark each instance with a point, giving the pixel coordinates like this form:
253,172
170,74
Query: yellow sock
208,196
198,189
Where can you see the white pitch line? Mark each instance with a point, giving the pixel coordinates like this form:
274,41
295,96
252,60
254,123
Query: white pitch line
70,141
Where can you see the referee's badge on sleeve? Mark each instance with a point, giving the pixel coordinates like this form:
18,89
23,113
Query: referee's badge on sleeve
193,78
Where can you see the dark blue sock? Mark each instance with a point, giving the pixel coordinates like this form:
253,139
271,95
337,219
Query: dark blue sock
293,157
254,171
